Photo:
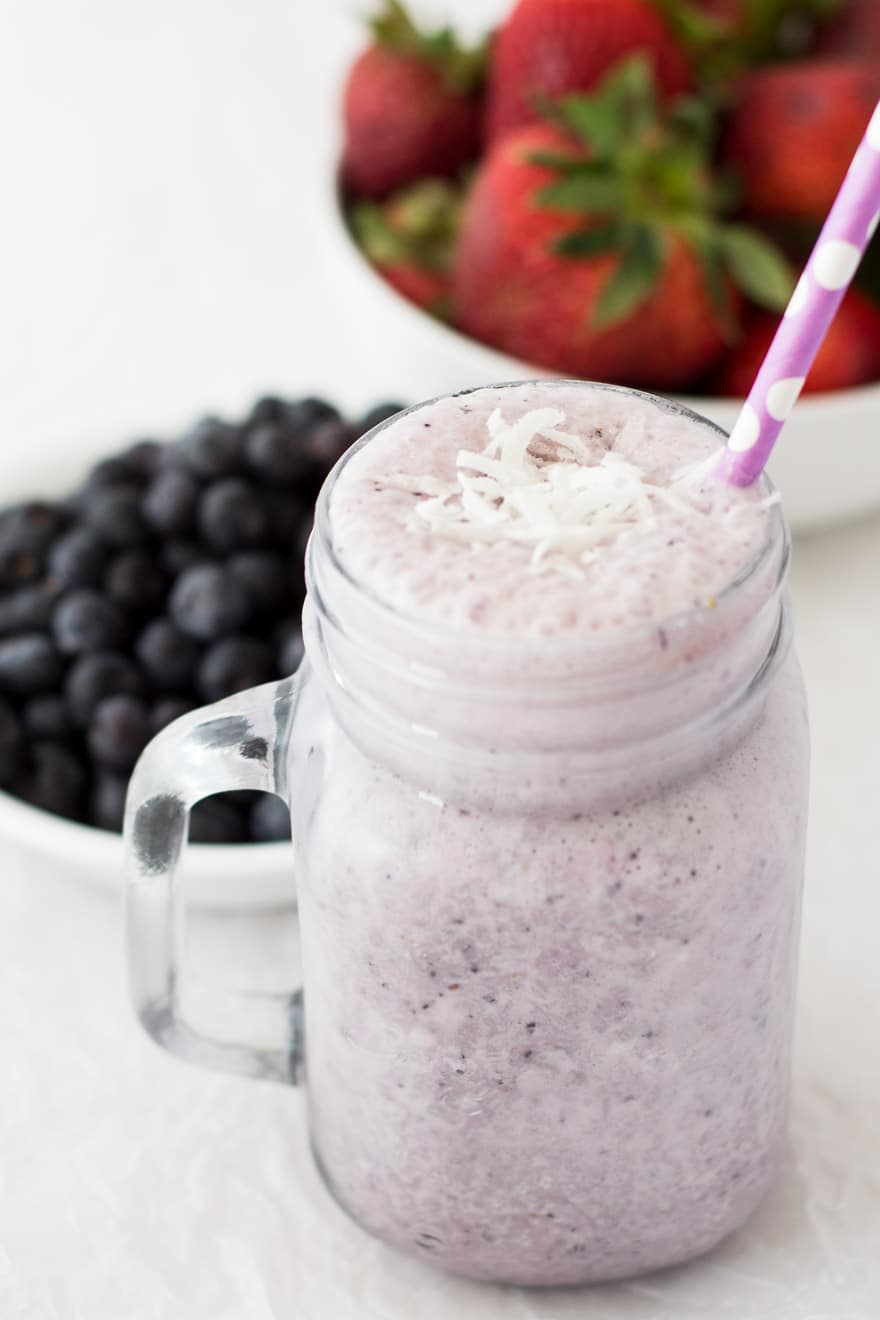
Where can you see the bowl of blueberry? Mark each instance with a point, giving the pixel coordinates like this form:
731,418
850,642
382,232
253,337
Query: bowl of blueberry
135,585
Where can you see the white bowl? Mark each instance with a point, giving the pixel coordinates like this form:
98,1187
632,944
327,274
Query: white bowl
255,875
827,464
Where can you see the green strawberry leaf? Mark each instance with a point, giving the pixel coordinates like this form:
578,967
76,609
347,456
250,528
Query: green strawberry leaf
589,242
635,279
594,120
583,192
757,266
462,68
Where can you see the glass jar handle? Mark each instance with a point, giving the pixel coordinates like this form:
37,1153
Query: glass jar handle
238,743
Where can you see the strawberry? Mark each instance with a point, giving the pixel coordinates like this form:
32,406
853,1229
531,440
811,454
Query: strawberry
725,37
855,31
411,106
409,238
793,131
549,47
592,245
849,356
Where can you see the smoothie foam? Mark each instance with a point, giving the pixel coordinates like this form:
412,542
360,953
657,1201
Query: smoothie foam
550,892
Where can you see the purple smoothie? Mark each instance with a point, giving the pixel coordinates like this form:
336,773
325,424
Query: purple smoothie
550,849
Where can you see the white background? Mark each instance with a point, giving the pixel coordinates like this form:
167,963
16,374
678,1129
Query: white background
158,258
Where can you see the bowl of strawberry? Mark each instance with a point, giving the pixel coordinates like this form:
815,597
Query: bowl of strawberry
618,190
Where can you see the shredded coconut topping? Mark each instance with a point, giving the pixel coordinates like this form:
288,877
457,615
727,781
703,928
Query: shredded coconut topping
540,486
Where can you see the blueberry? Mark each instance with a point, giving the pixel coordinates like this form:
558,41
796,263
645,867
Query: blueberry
232,665
211,449
144,458
215,821
285,514
118,732
48,716
170,502
53,779
275,454
377,415
178,554
77,558
166,655
114,512
136,582
93,677
264,576
26,531
267,409
10,744
303,414
29,663
207,602
325,443
269,819
107,801
166,711
28,609
108,472
290,647
84,620
232,515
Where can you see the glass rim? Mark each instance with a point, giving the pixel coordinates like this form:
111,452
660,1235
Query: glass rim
777,534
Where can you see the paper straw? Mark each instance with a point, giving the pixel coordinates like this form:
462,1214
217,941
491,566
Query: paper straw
850,226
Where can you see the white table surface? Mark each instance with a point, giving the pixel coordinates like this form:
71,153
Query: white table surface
155,259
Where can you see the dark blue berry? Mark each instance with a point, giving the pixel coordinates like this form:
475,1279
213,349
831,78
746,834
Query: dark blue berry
107,800
264,576
211,449
207,602
53,779
114,512
269,819
325,443
178,554
10,744
29,663
232,516
48,716
302,414
215,821
84,620
107,472
267,409
377,415
93,677
170,502
275,454
144,458
28,609
118,732
232,665
166,655
26,531
136,582
166,711
77,558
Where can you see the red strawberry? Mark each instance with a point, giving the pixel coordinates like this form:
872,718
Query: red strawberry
855,31
793,132
409,239
593,246
849,356
426,288
411,106
549,47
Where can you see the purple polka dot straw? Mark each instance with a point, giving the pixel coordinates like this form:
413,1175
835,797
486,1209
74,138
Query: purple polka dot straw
850,226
